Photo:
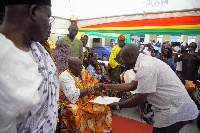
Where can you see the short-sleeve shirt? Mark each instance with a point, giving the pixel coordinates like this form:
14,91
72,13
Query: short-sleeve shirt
190,66
167,94
68,87
76,47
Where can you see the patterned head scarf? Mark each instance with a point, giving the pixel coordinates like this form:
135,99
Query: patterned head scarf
90,55
121,37
84,36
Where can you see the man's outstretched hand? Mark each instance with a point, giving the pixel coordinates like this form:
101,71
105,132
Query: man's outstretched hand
113,106
99,87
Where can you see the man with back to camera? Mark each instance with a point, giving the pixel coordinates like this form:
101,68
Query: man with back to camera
76,46
29,79
156,82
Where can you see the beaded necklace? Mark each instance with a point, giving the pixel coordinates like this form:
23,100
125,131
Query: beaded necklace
78,82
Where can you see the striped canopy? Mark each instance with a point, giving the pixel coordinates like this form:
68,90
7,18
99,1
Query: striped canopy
182,23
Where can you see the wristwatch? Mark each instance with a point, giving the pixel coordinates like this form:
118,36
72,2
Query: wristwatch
117,106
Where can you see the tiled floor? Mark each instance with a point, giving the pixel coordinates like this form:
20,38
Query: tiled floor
133,113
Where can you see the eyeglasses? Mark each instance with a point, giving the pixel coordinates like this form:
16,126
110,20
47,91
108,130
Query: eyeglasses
51,18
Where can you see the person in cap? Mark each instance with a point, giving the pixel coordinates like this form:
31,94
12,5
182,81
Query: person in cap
29,87
116,67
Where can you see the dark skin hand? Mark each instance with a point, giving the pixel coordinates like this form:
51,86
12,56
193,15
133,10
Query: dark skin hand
97,88
122,87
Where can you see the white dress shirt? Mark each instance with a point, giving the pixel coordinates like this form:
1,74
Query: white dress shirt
167,94
67,85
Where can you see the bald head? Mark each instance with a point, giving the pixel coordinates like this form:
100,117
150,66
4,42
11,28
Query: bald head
129,54
73,30
75,66
130,49
72,26
74,60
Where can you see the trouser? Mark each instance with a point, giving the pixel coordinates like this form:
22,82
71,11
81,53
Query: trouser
174,128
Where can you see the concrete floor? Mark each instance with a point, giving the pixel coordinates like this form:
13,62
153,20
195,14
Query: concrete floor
133,113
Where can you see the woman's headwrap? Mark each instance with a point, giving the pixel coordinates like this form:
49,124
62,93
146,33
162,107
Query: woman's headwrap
84,36
90,55
121,37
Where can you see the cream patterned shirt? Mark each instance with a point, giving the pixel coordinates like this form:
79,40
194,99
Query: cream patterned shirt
67,84
167,94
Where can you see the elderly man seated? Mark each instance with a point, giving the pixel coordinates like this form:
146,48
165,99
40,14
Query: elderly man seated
78,114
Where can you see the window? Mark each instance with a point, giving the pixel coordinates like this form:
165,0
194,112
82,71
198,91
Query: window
159,39
94,48
100,48
191,38
137,38
96,39
175,38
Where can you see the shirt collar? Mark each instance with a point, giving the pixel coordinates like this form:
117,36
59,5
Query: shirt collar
139,59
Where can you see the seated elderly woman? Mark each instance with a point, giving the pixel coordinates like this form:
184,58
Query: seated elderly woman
98,71
95,68
78,113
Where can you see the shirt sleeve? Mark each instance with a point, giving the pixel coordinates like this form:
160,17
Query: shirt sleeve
68,87
147,79
113,55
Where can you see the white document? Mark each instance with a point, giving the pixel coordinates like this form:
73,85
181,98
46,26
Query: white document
105,100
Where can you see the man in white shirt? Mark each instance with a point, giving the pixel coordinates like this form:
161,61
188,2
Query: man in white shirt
157,83
29,79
